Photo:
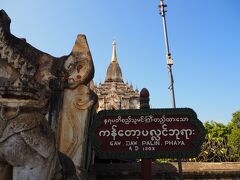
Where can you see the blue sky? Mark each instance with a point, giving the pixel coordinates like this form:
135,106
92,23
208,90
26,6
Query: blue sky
204,39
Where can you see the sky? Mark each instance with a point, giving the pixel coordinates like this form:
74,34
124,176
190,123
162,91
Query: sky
204,39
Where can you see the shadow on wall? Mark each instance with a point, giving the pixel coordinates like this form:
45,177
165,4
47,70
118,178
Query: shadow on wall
5,172
165,171
130,171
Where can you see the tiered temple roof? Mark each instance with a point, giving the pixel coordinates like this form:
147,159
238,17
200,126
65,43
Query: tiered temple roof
114,93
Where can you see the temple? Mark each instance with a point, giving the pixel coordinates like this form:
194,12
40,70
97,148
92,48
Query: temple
114,93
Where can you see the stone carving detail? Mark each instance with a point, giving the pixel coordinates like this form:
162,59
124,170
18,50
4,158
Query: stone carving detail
29,79
78,104
77,108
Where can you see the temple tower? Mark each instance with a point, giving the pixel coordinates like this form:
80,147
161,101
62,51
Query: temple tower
114,93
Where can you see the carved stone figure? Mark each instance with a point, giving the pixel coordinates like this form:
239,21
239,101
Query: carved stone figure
76,114
29,79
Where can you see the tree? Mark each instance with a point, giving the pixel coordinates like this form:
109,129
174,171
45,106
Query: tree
222,143
215,148
234,136
235,122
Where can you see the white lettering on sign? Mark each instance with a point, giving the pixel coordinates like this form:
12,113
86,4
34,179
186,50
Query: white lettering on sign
131,143
174,143
144,119
115,143
148,148
133,148
150,143
155,134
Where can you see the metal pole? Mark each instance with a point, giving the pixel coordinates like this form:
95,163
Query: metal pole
168,54
169,64
171,86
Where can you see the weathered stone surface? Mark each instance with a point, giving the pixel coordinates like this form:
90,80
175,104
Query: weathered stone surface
77,106
74,125
30,82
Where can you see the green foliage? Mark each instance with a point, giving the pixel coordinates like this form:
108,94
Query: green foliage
158,161
234,136
215,148
235,122
234,142
222,143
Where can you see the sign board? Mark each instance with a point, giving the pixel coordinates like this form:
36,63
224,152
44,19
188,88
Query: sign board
147,133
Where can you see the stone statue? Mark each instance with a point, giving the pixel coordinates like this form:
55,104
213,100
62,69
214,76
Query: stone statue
29,79
77,110
78,107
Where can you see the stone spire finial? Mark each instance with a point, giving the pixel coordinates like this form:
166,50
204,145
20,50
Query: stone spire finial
114,73
114,52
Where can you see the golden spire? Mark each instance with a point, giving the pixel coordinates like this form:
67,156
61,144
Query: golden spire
114,52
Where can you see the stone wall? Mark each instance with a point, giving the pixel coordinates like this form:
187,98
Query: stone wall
191,170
